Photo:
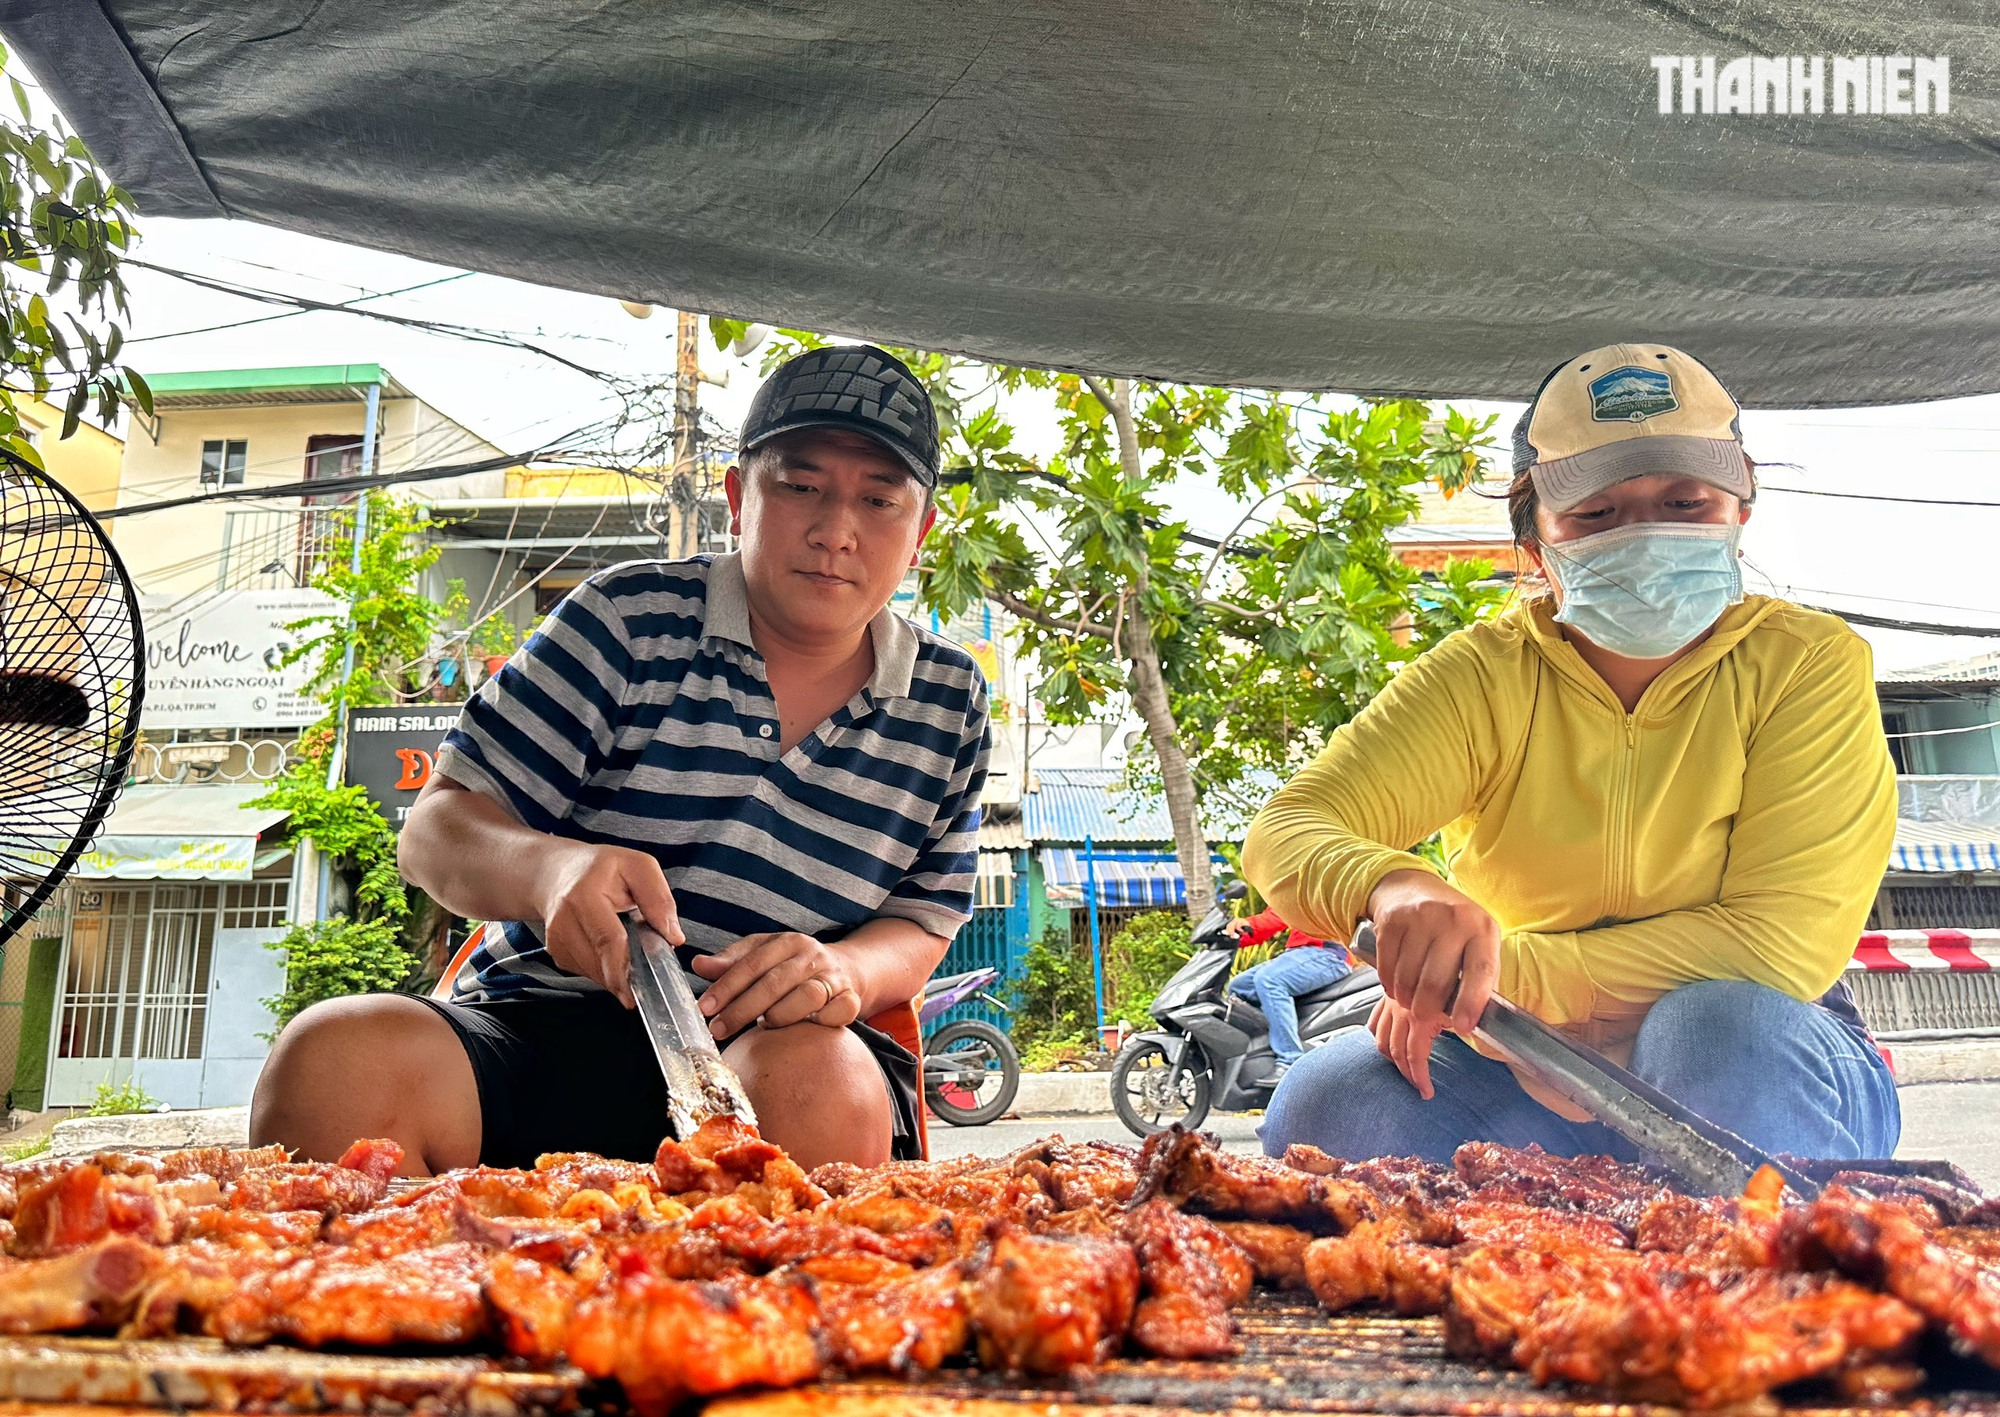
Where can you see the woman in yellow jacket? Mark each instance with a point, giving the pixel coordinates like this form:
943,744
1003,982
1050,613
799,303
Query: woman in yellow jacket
1665,809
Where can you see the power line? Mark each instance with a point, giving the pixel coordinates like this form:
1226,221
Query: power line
1875,497
1940,732
345,306
436,327
328,486
1918,627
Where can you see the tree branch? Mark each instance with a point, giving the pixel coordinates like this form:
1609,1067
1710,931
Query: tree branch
1011,602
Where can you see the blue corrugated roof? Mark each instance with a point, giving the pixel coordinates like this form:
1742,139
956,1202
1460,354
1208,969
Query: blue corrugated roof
1074,804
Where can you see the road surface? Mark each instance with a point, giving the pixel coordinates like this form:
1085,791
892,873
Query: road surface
1955,1121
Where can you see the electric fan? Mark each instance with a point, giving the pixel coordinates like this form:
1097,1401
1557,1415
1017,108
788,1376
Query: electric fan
72,675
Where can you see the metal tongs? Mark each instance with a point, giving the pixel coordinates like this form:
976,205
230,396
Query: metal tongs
1707,1159
699,1084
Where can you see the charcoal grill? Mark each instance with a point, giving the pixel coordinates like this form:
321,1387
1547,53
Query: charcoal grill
1295,1359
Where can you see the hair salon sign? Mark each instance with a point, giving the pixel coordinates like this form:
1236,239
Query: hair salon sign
391,751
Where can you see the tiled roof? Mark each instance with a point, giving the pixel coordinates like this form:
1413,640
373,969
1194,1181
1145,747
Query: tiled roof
1979,669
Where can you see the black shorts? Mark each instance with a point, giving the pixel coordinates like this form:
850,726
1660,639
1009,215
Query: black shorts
578,1074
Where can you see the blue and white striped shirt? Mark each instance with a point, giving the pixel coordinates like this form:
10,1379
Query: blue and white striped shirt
640,715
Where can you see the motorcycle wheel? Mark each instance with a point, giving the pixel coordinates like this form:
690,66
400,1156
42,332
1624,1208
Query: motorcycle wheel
973,1044
1139,1083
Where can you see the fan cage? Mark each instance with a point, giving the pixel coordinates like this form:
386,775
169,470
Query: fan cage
51,546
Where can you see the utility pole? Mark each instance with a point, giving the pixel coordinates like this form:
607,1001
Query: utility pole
685,519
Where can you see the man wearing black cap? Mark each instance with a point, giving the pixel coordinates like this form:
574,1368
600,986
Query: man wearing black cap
751,751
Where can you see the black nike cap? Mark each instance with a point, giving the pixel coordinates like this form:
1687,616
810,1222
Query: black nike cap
857,387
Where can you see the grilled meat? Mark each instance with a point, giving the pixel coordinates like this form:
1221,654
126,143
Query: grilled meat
1596,1185
1879,1243
723,1264
1189,1170
668,1339
1377,1262
1277,1253
1191,1275
92,1288
1046,1304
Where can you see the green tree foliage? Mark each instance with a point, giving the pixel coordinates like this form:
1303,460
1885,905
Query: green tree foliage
1139,959
1055,997
64,227
1239,657
338,957
390,628
389,625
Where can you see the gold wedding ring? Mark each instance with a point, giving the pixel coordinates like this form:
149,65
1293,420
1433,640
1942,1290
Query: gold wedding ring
830,996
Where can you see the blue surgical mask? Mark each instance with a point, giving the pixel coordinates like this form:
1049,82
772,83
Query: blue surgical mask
1647,590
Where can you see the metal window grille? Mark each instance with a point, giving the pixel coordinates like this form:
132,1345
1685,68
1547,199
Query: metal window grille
1924,999
274,548
256,905
107,960
1938,907
137,982
173,1006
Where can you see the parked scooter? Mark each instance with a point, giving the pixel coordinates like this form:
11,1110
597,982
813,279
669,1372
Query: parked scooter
1214,1049
971,1071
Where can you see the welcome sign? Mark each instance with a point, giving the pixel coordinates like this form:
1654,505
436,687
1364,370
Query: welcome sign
217,660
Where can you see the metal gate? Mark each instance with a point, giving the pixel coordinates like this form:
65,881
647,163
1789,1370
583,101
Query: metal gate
137,976
995,937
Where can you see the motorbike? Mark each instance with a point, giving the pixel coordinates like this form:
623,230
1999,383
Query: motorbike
1213,1049
971,1071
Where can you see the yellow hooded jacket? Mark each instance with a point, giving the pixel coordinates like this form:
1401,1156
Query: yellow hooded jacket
1736,825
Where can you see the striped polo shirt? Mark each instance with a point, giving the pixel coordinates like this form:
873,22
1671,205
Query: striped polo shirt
640,715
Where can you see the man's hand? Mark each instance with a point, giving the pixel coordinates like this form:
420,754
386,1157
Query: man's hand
777,980
584,892
1436,950
1405,1042
1237,929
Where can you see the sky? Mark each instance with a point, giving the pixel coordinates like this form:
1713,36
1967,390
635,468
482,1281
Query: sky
1903,560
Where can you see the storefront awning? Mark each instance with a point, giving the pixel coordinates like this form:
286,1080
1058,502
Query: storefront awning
207,833
1122,884
1943,847
993,887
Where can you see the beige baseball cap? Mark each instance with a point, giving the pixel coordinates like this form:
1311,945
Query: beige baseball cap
1628,410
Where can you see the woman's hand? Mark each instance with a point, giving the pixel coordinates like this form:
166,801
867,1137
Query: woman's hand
776,980
1437,952
1406,1043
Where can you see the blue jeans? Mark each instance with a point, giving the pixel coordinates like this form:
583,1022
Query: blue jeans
1272,986
1786,1075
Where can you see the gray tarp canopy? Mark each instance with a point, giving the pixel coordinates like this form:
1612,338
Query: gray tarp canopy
1434,196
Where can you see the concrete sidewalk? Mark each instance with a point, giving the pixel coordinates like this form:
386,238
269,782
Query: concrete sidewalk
1951,1092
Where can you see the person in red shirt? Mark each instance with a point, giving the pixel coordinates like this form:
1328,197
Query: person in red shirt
1308,963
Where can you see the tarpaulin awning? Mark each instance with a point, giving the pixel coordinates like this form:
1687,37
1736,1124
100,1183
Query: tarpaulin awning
1379,196
202,832
1944,847
1155,881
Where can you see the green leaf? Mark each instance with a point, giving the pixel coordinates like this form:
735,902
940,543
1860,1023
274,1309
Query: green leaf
142,392
726,332
21,99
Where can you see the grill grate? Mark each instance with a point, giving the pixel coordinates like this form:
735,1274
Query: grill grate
1295,1359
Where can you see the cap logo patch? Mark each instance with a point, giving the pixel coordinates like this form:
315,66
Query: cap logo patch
1630,394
